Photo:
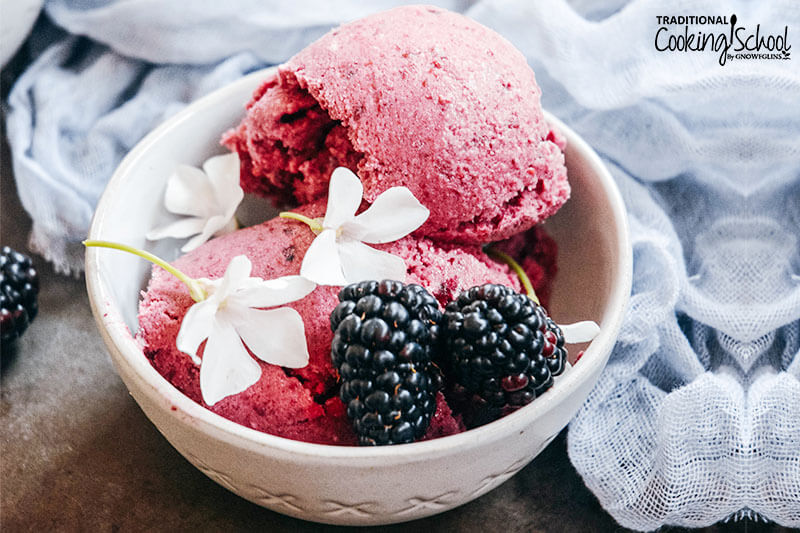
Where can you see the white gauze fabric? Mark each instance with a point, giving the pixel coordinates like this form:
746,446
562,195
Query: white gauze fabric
697,417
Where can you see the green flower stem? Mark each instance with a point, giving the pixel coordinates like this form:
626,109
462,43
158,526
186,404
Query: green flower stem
508,260
314,223
195,289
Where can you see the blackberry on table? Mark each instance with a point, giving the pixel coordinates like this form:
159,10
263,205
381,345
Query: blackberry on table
503,351
19,286
386,335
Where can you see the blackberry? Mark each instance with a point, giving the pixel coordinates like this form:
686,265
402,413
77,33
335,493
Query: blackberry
503,351
19,285
386,335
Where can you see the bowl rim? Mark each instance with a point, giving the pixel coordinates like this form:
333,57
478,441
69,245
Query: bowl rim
115,331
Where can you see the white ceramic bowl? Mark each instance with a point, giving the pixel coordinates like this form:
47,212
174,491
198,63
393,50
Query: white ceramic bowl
350,485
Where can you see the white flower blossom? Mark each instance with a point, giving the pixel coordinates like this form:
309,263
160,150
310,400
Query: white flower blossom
579,331
230,317
338,255
208,197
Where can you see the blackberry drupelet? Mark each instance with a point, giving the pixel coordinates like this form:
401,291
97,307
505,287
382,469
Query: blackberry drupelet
386,335
19,286
503,351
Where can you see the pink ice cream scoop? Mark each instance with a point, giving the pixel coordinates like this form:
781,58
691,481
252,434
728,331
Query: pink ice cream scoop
415,96
301,403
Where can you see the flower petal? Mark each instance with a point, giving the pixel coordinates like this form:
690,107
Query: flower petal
580,331
195,327
179,229
273,292
238,271
361,262
236,276
223,174
276,336
209,229
230,226
395,213
195,242
344,197
189,192
227,367
322,264
222,170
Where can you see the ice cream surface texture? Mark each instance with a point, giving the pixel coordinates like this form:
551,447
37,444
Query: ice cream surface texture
415,96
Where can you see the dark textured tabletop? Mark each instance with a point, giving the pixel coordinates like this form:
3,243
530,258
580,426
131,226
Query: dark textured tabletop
77,453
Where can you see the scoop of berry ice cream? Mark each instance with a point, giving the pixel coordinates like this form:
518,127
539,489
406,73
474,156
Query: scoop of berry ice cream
415,96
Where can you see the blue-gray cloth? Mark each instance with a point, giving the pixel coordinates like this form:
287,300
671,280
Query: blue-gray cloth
697,417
